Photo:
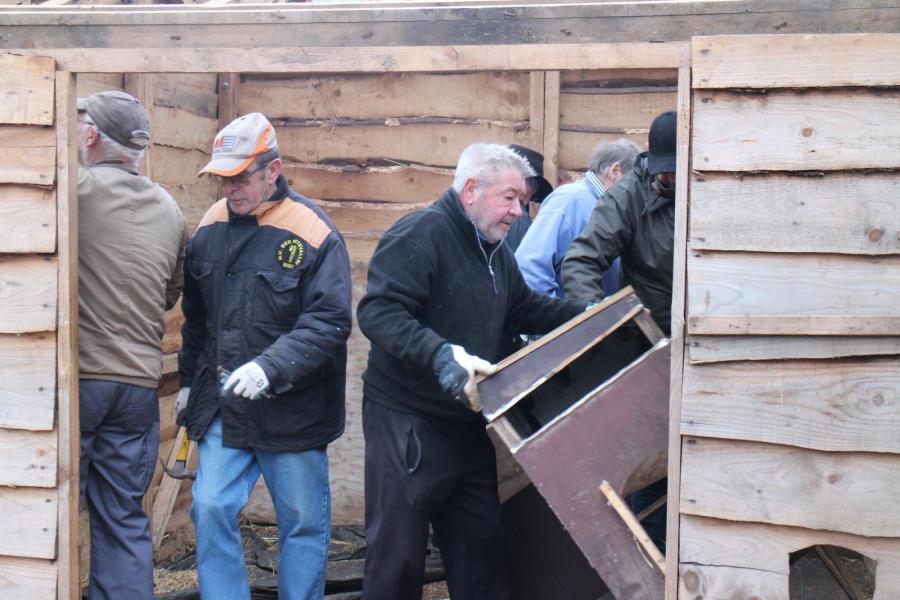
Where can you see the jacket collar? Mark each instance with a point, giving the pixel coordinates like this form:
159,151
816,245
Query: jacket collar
451,205
654,199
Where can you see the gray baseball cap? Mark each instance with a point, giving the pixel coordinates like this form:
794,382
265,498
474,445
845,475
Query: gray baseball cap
120,116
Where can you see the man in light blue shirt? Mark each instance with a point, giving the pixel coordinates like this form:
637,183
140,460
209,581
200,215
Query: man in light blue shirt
563,215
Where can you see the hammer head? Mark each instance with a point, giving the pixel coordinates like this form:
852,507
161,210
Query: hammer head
178,471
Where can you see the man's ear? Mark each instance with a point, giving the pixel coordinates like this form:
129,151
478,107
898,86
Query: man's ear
615,171
470,190
273,170
93,137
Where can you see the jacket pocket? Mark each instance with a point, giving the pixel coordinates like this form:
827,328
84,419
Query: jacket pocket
201,271
277,298
413,451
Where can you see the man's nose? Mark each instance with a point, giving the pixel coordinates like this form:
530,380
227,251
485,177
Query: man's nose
516,209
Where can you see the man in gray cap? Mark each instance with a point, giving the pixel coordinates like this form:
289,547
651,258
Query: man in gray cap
131,237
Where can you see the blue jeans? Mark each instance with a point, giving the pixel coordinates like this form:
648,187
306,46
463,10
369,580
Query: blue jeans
298,483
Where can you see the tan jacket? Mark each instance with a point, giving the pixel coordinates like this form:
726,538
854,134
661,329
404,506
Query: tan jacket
131,238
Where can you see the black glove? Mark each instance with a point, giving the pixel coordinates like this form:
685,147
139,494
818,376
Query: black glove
456,369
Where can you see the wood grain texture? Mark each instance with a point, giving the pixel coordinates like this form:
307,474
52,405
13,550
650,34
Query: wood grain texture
32,533
28,458
193,92
436,144
495,95
805,294
762,550
850,492
575,146
365,218
27,154
613,109
847,213
28,374
776,61
26,89
697,582
401,184
27,294
617,78
91,83
788,130
28,215
837,405
182,129
721,348
27,578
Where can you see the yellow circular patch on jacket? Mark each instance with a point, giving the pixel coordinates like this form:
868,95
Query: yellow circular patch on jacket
290,253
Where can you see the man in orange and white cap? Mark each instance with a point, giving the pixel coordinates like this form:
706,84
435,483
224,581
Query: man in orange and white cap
267,303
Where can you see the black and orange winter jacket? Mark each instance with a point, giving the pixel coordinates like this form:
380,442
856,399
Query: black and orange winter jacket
272,287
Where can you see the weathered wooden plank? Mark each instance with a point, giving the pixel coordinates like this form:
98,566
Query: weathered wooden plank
492,95
27,294
402,184
679,331
837,405
800,294
762,549
550,131
365,218
27,154
787,130
182,129
848,213
721,581
92,83
720,348
27,458
575,146
193,92
617,78
27,578
28,218
375,59
613,109
852,492
436,144
26,89
32,533
27,381
776,61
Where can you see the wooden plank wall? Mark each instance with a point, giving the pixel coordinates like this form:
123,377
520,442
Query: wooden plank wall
32,446
370,148
789,410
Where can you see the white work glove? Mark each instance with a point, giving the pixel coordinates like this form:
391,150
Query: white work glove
456,370
248,380
181,402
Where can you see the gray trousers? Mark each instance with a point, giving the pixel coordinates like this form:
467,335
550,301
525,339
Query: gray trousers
119,445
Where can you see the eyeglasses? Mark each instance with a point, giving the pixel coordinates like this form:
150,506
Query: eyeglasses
239,180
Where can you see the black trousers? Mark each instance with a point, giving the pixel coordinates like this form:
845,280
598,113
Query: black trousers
422,470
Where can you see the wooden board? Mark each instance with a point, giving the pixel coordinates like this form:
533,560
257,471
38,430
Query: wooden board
32,533
26,89
28,215
436,144
774,61
613,109
762,551
408,184
27,578
27,294
719,348
806,294
27,458
746,481
825,405
27,154
356,218
183,129
495,95
191,92
787,130
848,213
575,146
618,78
91,83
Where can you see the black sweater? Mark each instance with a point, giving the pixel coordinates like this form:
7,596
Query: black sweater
431,281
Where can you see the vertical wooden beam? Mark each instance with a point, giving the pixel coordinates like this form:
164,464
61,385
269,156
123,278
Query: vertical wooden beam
679,290
68,580
141,86
229,93
536,110
551,127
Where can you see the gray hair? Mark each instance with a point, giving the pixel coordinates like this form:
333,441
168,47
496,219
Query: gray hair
606,154
110,150
484,161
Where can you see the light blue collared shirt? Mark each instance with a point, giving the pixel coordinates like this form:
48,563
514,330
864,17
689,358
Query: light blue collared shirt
562,217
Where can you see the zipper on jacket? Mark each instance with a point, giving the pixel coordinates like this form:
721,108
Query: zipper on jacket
487,260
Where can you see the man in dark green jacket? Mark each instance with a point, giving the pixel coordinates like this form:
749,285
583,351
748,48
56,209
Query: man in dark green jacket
635,220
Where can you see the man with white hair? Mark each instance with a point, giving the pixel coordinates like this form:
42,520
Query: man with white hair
564,214
443,291
131,237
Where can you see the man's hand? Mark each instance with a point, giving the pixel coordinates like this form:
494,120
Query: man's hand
248,380
456,370
181,402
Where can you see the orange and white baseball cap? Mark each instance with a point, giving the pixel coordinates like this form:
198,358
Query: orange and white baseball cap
239,143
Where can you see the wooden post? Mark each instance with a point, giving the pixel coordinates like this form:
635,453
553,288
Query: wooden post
551,127
68,583
536,110
141,87
229,91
